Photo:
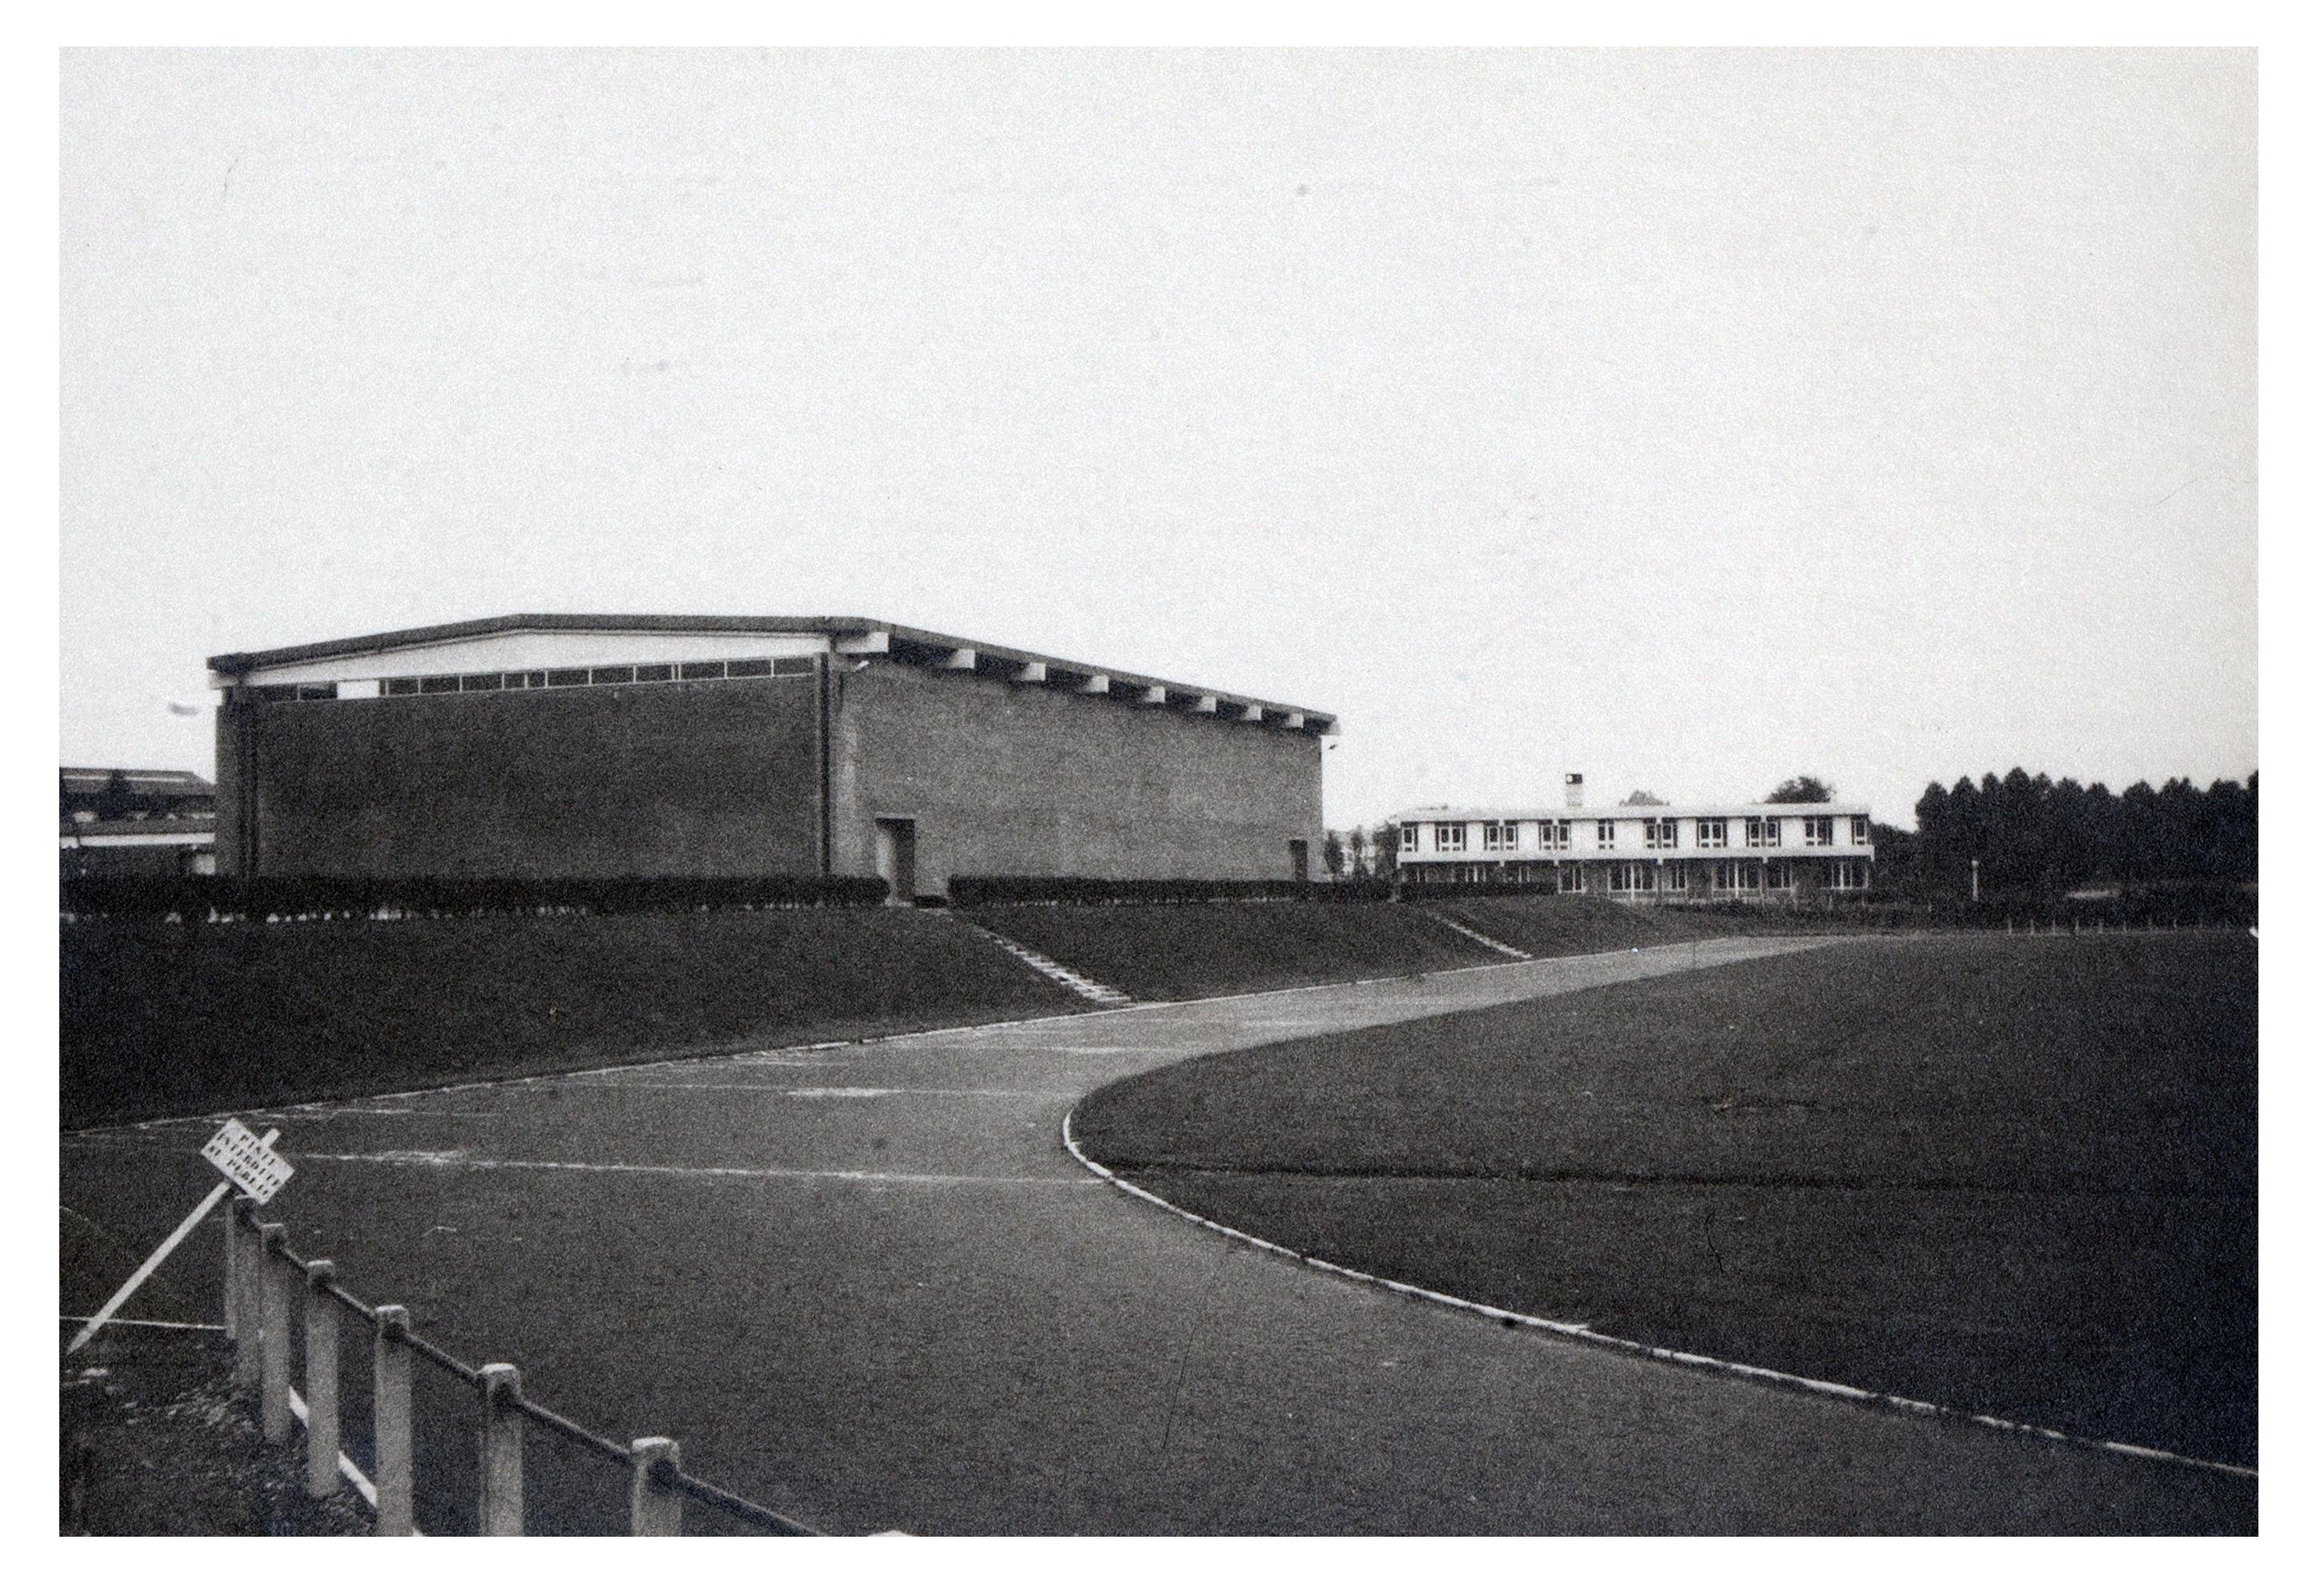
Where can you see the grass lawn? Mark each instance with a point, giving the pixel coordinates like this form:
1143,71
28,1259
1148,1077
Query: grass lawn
2015,1176
163,1020
1167,951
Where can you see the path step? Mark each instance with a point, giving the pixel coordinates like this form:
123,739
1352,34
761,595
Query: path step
1083,986
1476,936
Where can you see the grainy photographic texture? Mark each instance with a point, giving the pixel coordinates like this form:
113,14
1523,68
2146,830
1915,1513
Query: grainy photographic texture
870,759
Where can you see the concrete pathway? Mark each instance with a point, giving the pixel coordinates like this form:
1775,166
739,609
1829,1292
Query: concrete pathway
868,1286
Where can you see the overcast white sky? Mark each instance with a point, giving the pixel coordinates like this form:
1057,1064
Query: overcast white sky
1688,419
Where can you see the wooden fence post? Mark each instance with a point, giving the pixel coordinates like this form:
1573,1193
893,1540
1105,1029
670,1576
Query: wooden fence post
502,1427
273,1332
390,1407
232,1274
242,1278
653,1508
321,1379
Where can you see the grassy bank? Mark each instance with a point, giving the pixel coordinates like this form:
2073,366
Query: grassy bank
1166,951
2013,1176
161,1019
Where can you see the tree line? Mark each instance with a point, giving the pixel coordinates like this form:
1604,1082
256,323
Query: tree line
2030,835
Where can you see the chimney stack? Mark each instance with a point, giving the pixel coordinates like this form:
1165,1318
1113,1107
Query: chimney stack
1574,790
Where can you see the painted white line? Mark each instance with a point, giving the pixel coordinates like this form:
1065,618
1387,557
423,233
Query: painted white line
770,1089
146,1324
1584,1333
454,1159
1713,951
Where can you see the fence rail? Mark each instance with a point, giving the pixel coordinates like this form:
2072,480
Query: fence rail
265,1286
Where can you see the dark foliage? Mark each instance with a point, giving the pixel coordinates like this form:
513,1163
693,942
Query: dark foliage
2030,835
966,891
1802,790
290,898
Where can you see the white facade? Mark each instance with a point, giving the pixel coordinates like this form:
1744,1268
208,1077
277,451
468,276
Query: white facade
1644,851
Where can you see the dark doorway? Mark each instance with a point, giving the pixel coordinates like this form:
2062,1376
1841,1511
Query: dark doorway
896,858
1299,850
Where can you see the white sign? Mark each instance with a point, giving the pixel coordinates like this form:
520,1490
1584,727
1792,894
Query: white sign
248,1163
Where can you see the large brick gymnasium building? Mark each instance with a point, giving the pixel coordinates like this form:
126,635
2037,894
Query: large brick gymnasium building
619,745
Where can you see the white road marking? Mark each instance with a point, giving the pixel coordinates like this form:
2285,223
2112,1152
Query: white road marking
454,1159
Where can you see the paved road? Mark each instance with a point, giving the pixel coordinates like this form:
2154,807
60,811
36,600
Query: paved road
868,1286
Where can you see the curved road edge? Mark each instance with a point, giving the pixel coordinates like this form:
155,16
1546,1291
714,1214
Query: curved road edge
1584,1333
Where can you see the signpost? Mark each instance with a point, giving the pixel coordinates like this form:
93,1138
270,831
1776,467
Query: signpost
247,1160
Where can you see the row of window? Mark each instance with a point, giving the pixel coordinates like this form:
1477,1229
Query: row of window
1502,836
1672,876
600,675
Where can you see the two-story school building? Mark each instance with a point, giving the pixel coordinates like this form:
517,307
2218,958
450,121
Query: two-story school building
1644,852
628,745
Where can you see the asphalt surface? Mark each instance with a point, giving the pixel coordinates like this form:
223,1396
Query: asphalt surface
867,1286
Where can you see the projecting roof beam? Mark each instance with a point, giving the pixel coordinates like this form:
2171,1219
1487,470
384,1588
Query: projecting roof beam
1095,684
1034,671
865,642
1250,712
961,659
1150,695
1294,721
1206,704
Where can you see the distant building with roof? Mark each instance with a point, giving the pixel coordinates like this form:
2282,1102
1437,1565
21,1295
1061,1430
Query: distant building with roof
1643,850
118,822
612,746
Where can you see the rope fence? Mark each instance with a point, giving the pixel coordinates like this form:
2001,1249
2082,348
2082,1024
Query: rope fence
271,1293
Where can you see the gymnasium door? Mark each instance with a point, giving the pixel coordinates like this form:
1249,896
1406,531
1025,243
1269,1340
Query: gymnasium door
896,858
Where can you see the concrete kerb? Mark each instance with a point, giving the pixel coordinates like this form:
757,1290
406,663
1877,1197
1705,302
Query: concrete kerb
1702,1362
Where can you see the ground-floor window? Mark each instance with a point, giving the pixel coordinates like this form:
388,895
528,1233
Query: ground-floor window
1632,877
1574,878
1674,876
1735,875
1848,875
1780,875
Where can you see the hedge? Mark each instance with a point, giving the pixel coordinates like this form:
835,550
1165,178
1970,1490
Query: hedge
966,891
259,897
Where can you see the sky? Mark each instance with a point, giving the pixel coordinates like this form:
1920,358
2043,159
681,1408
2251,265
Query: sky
1690,419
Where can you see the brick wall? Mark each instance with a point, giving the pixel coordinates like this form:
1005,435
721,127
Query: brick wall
709,777
1015,779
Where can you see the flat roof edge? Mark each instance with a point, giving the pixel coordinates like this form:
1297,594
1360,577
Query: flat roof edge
238,664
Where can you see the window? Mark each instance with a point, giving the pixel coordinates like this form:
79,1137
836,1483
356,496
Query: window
751,667
604,675
647,672
489,683
1735,875
1606,832
574,678
1674,878
1859,829
1818,831
1502,835
1764,833
1409,838
1847,874
395,686
1663,833
702,670
1451,837
1780,875
1630,878
1553,834
1712,833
